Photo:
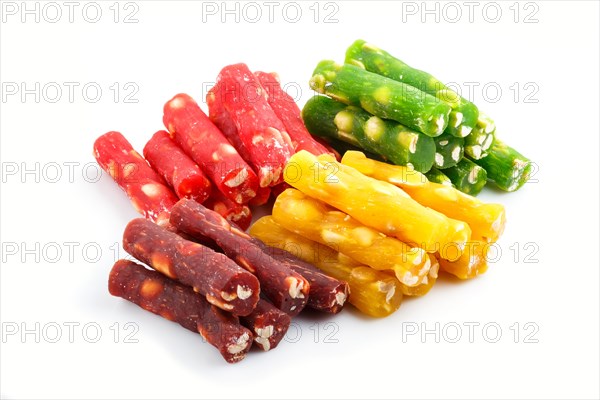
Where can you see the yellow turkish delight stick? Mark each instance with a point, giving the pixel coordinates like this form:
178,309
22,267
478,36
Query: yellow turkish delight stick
456,234
471,263
428,282
400,175
375,203
373,292
321,223
486,220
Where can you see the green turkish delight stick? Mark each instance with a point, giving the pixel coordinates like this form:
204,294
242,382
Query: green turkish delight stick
437,176
481,138
464,113
319,114
448,150
506,167
396,143
467,177
381,96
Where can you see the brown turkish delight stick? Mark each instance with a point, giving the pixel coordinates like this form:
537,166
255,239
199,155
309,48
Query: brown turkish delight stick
147,191
327,294
208,242
225,329
239,214
211,274
160,295
287,289
288,112
206,145
268,323
260,130
178,169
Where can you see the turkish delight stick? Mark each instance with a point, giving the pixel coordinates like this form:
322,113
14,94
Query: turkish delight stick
504,166
316,221
472,262
327,294
381,96
486,220
288,112
428,282
460,231
365,198
206,145
287,289
179,170
211,274
268,324
220,117
449,150
222,120
262,197
233,212
351,127
262,133
481,138
464,113
467,176
147,191
160,295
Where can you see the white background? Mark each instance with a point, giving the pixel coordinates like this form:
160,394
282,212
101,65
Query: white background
547,275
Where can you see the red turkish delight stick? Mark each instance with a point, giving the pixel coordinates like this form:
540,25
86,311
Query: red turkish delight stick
147,191
288,112
178,169
238,214
222,120
264,136
268,323
327,294
287,289
160,295
211,274
261,198
205,144
220,117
